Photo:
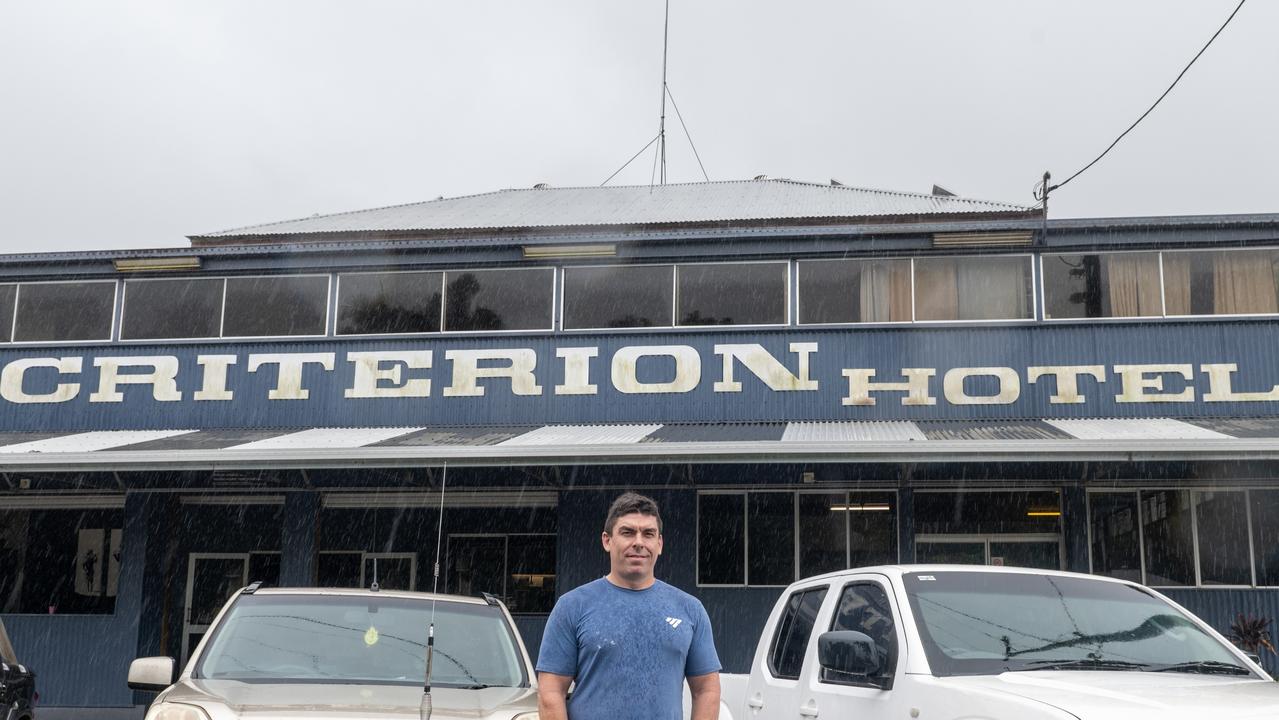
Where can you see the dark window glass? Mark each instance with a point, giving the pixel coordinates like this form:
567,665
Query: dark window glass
59,561
976,512
1222,522
1116,544
872,520
498,299
8,294
338,569
771,550
1265,534
823,533
732,294
406,302
165,309
618,297
1108,285
1169,543
281,305
531,565
721,540
1220,282
852,291
476,565
865,608
790,639
65,311
973,288
391,573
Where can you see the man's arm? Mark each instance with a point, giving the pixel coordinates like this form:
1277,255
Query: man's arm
552,695
705,692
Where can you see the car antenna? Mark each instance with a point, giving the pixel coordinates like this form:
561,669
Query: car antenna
374,587
424,710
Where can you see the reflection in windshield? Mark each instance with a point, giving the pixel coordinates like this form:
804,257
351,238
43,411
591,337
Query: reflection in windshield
359,639
984,623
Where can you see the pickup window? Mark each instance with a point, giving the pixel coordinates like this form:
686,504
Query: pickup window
864,608
786,654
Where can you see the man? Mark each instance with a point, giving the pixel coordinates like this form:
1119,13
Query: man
628,639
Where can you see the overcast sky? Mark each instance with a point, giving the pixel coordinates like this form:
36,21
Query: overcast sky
135,123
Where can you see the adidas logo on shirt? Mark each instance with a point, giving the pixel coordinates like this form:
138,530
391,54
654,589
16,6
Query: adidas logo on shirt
673,622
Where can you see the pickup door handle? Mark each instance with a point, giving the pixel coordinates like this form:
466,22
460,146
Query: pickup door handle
756,702
809,709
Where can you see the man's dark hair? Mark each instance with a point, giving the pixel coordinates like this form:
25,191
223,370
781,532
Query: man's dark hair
628,503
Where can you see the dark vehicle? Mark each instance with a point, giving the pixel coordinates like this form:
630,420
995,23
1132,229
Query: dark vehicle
17,683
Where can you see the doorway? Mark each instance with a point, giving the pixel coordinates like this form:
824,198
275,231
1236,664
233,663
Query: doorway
212,578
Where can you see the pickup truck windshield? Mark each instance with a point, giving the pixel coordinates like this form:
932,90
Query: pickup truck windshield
976,623
333,638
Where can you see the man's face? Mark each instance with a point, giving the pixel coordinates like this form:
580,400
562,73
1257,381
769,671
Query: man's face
633,546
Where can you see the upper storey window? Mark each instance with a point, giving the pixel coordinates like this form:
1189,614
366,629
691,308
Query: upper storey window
731,294
973,288
1220,282
854,291
196,308
402,302
172,309
1102,285
62,311
504,299
618,296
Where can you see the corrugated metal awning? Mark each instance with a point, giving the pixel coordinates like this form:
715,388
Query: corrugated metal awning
879,441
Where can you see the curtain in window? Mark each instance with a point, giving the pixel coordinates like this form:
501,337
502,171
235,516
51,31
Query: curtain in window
1177,283
885,291
1134,285
992,289
1243,282
936,290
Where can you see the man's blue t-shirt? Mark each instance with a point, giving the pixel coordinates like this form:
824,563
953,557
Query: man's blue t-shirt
629,650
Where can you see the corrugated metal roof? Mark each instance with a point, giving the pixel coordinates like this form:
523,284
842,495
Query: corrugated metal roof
583,435
90,441
852,431
326,438
708,202
1135,429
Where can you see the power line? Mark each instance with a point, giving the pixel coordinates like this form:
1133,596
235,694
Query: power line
1047,189
628,162
680,115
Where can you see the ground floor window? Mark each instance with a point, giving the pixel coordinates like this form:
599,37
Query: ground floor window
60,561
1185,537
773,538
1019,528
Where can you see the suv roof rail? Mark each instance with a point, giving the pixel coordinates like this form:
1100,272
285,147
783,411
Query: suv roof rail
491,600
253,587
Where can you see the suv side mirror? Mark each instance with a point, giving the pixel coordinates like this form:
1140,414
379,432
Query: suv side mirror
152,674
848,652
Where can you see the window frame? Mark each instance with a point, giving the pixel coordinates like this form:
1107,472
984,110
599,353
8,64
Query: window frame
1036,289
823,588
21,503
17,304
1163,297
337,303
564,269
444,302
328,307
799,292
885,586
1194,519
786,311
1163,285
124,304
13,319
506,561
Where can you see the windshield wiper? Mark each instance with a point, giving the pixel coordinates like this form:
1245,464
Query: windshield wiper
1207,667
1082,664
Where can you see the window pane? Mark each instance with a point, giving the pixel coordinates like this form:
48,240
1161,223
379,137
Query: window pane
65,311
59,561
973,288
1108,285
1222,282
1116,545
618,297
786,656
1265,533
721,540
823,533
732,294
978,512
499,299
276,306
531,586
165,309
872,520
1222,520
8,293
850,291
338,569
865,608
771,549
1169,545
406,302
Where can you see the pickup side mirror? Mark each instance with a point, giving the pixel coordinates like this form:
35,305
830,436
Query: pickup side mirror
848,652
152,674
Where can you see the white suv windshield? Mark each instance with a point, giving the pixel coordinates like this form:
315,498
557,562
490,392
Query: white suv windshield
975,623
328,638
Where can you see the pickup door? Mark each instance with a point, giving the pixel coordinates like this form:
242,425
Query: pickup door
786,680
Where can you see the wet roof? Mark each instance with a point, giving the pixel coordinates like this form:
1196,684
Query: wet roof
683,203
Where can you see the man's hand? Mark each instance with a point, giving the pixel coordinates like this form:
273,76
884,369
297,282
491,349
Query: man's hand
552,696
705,692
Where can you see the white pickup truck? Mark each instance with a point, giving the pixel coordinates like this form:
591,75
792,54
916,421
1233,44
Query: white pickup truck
961,642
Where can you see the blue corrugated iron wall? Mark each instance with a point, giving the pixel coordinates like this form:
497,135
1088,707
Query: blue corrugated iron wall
1219,607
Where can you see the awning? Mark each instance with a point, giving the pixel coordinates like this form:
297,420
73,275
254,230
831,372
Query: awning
1124,440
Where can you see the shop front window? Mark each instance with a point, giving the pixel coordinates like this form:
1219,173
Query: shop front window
1010,528
60,561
